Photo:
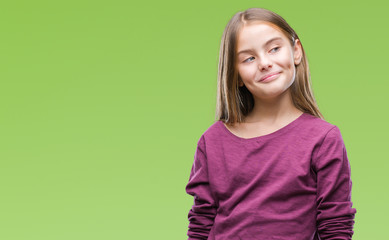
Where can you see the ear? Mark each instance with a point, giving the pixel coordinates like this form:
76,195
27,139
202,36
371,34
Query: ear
298,52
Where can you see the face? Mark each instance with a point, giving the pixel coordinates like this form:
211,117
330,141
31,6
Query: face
266,60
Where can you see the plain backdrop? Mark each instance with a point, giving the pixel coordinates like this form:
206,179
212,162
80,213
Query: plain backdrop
102,104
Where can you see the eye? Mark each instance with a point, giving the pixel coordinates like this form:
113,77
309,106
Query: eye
275,49
247,60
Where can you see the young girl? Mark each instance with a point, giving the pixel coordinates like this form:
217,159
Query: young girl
270,167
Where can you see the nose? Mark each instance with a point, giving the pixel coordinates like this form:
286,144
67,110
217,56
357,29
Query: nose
264,63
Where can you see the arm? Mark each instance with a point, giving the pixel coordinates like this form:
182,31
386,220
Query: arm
201,215
335,215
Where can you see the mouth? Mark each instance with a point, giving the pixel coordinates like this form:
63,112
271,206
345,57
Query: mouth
269,77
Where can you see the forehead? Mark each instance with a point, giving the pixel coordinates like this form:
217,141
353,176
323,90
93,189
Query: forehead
258,33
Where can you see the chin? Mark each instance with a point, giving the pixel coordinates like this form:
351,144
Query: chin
271,95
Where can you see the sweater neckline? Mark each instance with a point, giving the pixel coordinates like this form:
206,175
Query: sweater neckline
266,136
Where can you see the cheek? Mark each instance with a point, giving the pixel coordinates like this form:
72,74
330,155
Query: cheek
286,60
246,72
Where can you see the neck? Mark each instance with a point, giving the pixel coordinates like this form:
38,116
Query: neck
273,110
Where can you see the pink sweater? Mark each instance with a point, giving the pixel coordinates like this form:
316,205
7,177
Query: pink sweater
292,184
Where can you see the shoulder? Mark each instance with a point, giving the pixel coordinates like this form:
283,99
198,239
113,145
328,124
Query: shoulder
318,131
315,125
212,133
328,137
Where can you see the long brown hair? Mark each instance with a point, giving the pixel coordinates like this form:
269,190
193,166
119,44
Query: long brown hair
234,102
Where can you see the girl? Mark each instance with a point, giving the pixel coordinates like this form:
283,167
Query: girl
270,167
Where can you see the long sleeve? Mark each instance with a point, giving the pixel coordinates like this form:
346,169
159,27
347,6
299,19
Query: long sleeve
335,215
201,215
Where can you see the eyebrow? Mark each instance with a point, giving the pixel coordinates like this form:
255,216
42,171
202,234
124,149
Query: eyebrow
266,43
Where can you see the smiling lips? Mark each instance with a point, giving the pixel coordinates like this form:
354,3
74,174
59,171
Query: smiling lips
270,76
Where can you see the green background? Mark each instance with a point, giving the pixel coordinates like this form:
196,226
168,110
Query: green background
103,102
